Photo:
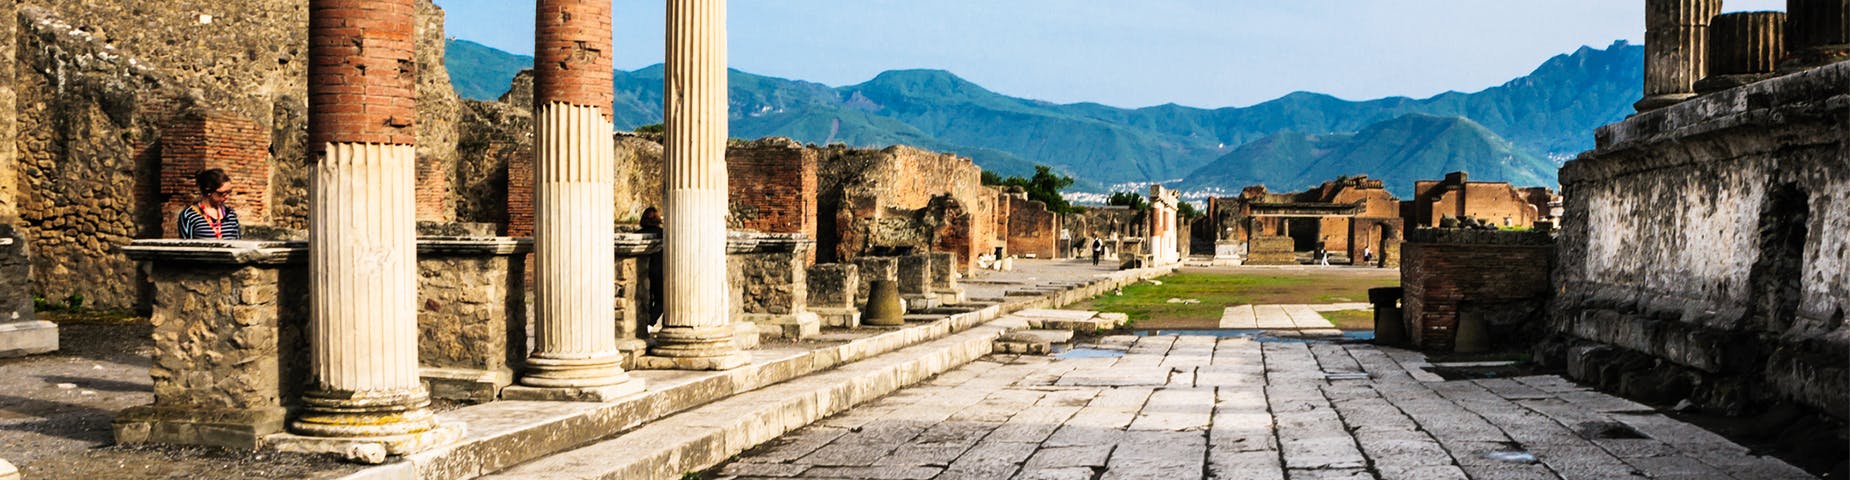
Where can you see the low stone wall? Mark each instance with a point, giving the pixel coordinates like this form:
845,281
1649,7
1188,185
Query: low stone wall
1709,238
1455,275
472,315
1271,250
915,282
768,277
831,294
944,278
873,269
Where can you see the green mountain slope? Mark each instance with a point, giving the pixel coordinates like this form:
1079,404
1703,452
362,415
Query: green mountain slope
1548,114
1398,151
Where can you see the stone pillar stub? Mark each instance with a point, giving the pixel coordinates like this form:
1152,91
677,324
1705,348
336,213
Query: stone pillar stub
1675,46
915,282
575,355
944,278
697,328
871,269
364,398
1744,47
832,294
1817,33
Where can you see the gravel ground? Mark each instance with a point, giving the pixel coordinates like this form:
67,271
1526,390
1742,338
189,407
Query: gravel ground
55,411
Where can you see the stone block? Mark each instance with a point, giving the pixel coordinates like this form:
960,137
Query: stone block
242,429
472,314
8,471
914,274
28,338
871,269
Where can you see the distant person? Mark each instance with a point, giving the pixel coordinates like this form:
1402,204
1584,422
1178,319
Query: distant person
210,217
1323,257
652,223
1098,249
1368,255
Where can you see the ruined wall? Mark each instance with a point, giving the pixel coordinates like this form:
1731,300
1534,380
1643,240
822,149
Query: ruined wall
1032,229
900,197
1452,275
772,186
1713,235
196,141
98,81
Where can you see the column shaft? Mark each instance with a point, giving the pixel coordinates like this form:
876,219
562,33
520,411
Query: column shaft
697,324
575,356
1744,47
1817,33
1675,45
362,240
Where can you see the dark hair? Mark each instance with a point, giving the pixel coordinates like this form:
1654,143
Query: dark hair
651,217
211,179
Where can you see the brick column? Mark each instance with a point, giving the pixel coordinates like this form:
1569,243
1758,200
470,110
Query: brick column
1675,46
1744,47
575,354
1817,33
697,330
362,329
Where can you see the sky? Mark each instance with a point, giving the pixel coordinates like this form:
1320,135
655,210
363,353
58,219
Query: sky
1128,53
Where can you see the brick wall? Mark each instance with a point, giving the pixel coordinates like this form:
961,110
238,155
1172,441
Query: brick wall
203,140
1032,230
1444,281
772,188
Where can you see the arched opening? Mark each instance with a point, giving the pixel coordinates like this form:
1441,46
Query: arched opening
1785,219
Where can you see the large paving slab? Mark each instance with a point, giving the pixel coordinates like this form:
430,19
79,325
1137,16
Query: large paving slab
1233,408
1304,318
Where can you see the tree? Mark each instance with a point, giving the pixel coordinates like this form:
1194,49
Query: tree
1044,187
1128,199
1187,211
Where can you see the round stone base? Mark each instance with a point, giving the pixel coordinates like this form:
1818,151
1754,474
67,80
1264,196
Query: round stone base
1660,101
1716,83
1810,58
717,362
368,450
549,371
363,414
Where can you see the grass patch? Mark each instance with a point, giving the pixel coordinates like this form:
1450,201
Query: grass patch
1352,319
1148,304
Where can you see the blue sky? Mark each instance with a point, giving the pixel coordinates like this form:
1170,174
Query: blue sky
1129,53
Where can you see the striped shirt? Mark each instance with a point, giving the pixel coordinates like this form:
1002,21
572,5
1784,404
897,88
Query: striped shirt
195,225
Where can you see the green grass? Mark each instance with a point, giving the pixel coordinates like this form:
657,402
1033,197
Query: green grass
1148,304
1352,319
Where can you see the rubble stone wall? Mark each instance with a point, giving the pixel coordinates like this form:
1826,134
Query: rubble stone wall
900,197
1711,235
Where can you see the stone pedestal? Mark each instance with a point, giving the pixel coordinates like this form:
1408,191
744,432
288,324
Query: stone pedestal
871,269
637,254
472,332
21,332
1744,47
769,277
1817,34
914,275
1675,50
831,294
944,279
229,352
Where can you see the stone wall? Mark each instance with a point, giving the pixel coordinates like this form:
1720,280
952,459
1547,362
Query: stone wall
196,141
472,316
1454,275
772,185
878,200
97,83
1456,196
1711,236
1032,229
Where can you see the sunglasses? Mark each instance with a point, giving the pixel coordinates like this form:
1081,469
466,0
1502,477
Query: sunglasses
221,193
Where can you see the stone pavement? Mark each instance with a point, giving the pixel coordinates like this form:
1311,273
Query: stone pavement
1232,408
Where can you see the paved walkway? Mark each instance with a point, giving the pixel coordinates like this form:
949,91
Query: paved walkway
1232,408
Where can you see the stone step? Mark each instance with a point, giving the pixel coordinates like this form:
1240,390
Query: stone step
705,436
1032,342
507,433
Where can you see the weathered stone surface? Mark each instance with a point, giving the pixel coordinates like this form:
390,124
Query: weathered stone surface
472,316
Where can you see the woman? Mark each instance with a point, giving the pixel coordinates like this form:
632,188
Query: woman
210,218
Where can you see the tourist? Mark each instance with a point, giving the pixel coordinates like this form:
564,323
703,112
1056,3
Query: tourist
652,223
210,217
1367,255
1098,249
1323,257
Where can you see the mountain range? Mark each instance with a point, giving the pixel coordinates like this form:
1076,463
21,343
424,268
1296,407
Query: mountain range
1518,131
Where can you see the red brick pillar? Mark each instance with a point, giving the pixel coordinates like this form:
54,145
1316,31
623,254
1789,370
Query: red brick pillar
362,332
576,354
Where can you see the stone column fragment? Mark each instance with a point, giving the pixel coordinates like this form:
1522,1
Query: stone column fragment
575,355
362,244
1744,47
1675,45
697,330
1817,33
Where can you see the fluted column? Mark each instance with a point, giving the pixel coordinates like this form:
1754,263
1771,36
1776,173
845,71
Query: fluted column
1817,33
1675,45
1744,47
575,355
362,331
697,328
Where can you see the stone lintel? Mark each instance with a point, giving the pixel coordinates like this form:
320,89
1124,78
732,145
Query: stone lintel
638,244
28,338
368,450
228,428
474,246
233,252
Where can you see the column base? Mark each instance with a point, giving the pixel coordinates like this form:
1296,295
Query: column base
597,379
239,429
465,384
368,450
1716,83
838,317
18,339
1810,58
696,348
1660,101
370,414
792,327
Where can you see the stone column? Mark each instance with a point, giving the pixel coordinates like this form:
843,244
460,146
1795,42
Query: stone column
363,381
1675,45
1817,33
696,326
575,355
1744,47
